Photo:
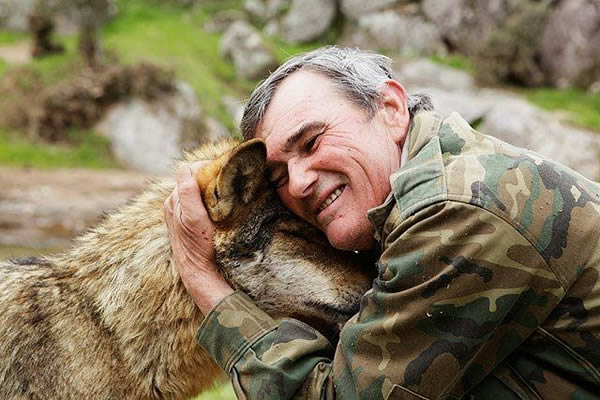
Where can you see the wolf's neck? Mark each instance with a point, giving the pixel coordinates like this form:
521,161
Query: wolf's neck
124,265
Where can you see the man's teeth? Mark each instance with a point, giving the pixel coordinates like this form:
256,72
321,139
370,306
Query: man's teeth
331,199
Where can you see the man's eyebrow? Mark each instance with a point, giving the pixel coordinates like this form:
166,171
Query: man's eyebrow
303,130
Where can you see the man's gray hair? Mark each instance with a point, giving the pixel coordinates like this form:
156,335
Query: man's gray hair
358,74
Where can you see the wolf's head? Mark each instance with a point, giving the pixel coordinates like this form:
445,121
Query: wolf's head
286,265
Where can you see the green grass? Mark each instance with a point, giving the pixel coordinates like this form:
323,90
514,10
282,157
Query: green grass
456,61
174,38
7,37
91,151
582,109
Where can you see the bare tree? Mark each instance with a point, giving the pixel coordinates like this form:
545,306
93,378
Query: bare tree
88,16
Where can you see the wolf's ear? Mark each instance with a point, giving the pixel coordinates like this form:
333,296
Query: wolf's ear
240,177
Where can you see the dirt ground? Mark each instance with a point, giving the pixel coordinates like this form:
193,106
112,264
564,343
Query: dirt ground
45,209
16,53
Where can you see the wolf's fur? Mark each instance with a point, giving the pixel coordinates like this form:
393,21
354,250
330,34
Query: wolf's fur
110,319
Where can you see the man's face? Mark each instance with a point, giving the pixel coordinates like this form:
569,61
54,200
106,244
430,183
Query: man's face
329,161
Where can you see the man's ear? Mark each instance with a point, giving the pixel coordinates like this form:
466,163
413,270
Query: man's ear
239,178
394,107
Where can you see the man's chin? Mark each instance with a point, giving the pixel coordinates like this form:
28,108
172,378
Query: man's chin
350,240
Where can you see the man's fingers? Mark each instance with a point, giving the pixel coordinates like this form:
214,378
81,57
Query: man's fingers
197,165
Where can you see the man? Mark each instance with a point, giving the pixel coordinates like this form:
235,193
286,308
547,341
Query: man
489,270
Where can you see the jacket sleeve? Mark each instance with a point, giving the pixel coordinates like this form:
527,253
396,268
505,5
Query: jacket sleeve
458,290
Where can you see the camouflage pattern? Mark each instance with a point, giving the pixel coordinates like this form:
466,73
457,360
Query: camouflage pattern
488,288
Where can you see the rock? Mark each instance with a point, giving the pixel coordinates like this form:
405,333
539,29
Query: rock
518,122
47,208
272,28
307,20
471,105
149,135
244,46
570,46
222,20
425,73
274,8
503,115
359,8
256,8
14,14
466,24
235,108
407,34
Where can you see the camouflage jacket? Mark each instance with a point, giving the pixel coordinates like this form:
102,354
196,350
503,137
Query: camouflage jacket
488,288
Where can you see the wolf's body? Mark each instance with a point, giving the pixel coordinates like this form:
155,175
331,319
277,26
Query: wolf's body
110,318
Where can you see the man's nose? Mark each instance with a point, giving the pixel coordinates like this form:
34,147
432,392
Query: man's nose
301,179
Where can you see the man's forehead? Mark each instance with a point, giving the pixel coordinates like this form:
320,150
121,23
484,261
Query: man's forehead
295,103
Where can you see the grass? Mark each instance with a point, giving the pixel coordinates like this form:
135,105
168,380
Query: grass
581,108
154,31
91,151
456,61
8,37
174,38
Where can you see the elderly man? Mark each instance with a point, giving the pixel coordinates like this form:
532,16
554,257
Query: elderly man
489,265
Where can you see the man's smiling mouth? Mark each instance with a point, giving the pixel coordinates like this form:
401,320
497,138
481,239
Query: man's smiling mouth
333,197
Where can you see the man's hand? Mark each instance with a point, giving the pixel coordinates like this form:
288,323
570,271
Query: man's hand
191,235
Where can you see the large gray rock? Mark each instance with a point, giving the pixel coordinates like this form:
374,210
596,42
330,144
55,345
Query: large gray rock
235,108
570,48
425,73
307,20
466,24
222,20
406,34
243,45
264,10
518,122
148,136
504,115
14,13
359,8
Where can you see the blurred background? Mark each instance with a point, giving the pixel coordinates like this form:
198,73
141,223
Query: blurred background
97,96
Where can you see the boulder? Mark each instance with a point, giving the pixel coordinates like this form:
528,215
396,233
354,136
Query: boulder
243,45
466,24
408,35
570,47
14,14
359,8
265,10
222,20
307,20
503,115
149,135
516,121
424,73
235,108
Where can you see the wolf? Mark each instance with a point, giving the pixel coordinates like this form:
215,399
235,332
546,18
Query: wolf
110,318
